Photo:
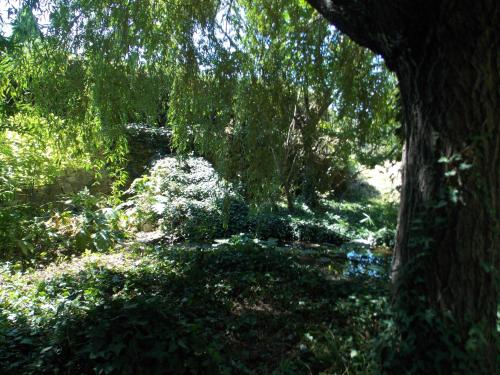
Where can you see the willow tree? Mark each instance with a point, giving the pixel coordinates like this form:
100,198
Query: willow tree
246,82
272,73
446,55
71,84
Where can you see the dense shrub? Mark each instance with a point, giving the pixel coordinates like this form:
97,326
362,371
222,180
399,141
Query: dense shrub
40,158
186,199
23,233
271,225
286,227
316,231
81,222
86,223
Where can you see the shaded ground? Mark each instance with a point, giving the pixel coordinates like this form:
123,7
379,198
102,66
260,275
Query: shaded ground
238,307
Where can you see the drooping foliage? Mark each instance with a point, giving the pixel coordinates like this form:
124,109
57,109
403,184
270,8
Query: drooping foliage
282,98
280,104
50,118
268,92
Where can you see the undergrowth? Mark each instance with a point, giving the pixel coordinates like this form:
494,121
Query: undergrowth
239,307
228,289
31,235
187,201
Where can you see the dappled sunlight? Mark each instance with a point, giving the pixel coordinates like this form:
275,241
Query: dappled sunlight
184,308
222,187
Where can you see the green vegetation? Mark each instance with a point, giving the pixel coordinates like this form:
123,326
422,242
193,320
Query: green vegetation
105,302
191,310
253,240
186,200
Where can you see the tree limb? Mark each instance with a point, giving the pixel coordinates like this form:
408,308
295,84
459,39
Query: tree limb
380,25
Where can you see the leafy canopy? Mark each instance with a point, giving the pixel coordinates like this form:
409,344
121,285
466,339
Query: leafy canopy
265,90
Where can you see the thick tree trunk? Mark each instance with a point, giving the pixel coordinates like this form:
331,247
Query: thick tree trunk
446,55
449,223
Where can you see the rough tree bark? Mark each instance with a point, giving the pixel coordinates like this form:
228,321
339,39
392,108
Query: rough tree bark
446,55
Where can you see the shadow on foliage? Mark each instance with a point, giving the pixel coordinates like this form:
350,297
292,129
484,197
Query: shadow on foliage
358,191
211,311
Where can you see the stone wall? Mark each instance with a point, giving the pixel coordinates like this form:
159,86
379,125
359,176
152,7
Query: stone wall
146,144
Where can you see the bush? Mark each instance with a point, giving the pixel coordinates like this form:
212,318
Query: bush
186,199
23,234
317,232
270,225
86,223
32,234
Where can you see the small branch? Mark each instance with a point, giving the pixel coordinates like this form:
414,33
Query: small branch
228,37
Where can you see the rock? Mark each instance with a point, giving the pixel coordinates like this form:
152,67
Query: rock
150,237
148,227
